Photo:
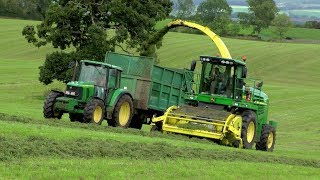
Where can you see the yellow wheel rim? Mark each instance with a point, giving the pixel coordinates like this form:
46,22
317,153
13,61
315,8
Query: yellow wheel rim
97,114
250,132
124,113
270,140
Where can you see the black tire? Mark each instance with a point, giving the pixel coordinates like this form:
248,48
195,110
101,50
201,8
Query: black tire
156,127
48,111
125,101
267,138
94,111
248,134
76,117
137,121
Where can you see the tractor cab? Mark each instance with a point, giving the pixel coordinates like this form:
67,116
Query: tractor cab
93,79
222,77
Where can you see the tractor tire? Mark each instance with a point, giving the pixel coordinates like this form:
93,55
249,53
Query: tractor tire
76,117
267,138
94,111
122,113
137,121
249,127
48,111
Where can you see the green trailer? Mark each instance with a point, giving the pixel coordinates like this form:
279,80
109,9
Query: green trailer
153,88
124,90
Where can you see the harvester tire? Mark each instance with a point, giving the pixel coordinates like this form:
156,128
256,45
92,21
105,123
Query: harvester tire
48,111
267,138
249,127
94,111
76,117
122,113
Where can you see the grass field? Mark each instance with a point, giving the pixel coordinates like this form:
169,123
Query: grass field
32,147
302,34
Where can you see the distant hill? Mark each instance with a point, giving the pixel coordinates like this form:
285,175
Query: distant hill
299,10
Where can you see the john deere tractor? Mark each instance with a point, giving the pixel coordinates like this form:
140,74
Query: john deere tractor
93,91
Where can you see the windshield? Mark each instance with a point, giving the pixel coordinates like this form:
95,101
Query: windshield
93,73
217,79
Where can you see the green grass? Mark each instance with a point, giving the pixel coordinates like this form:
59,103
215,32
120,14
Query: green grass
32,147
295,33
124,168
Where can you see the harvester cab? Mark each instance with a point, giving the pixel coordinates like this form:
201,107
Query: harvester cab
225,106
94,94
222,78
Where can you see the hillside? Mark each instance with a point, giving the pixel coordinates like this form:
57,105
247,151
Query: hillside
299,11
33,147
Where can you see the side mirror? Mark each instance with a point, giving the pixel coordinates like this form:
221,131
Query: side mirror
259,85
193,65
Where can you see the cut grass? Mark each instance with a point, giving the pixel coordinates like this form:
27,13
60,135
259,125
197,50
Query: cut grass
126,168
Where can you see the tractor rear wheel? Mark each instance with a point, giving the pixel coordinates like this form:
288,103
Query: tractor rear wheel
76,117
249,126
94,111
122,113
48,107
267,138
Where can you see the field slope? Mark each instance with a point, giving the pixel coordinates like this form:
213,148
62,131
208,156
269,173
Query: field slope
32,147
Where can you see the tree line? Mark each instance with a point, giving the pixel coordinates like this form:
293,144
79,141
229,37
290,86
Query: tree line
25,9
216,14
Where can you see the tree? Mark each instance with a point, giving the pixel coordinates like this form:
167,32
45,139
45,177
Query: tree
260,16
312,24
92,28
185,8
215,14
282,24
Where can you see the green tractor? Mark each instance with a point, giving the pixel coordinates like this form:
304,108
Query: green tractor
226,107
93,90
127,93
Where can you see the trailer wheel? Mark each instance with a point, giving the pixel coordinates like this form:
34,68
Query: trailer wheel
249,126
137,121
267,138
48,107
122,113
76,117
94,111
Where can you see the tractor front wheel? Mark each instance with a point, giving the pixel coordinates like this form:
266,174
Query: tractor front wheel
94,111
249,126
123,112
48,107
267,139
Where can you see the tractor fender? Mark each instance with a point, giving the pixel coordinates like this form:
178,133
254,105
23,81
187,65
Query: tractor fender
114,99
56,91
